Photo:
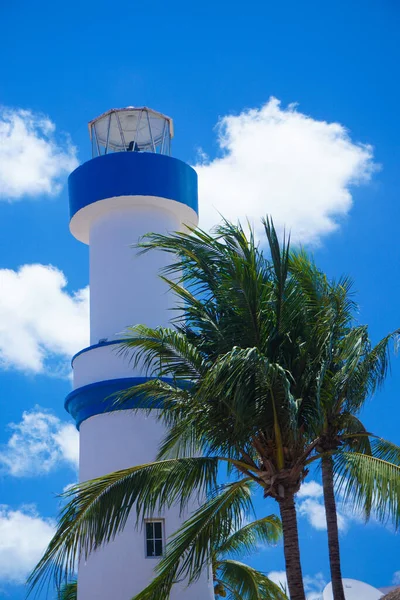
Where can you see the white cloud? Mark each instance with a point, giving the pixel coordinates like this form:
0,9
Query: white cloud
310,505
314,512
396,578
32,160
280,578
279,161
39,319
67,439
313,586
310,489
312,508
24,536
38,444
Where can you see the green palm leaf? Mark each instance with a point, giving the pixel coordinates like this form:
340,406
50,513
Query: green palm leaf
98,510
242,582
249,538
207,529
369,483
180,358
385,450
69,591
353,433
160,586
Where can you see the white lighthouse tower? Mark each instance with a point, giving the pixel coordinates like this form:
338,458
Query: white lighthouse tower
131,186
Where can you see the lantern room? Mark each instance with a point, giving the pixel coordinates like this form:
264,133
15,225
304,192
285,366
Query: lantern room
131,129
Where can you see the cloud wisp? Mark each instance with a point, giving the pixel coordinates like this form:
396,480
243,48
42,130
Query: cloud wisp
396,578
280,161
24,535
39,319
311,506
33,160
38,444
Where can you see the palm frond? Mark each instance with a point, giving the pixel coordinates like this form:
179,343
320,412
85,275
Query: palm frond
193,545
249,538
378,359
68,591
98,509
280,260
368,483
243,379
386,451
165,395
245,583
160,586
183,439
163,352
353,433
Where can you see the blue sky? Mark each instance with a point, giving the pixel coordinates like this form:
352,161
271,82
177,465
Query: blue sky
328,169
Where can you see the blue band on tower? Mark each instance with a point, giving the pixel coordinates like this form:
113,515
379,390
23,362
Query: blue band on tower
100,397
132,174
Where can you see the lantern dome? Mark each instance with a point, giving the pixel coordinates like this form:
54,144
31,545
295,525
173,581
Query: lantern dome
131,129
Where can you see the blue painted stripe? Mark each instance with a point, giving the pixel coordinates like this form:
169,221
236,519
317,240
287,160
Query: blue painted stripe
132,174
98,398
94,346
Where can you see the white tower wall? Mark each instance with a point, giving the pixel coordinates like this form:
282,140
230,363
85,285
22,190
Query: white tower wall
124,286
125,289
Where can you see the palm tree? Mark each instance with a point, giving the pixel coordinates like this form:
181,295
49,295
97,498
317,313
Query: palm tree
352,371
242,332
255,345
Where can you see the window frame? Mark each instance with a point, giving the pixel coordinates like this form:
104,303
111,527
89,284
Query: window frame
154,539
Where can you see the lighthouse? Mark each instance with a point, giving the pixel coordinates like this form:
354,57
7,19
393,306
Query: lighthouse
130,187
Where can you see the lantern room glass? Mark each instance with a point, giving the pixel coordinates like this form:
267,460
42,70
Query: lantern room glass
131,129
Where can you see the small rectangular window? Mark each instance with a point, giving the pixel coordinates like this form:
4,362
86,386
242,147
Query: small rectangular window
154,538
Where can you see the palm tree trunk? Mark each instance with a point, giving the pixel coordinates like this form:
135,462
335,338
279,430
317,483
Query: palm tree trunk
291,548
332,525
